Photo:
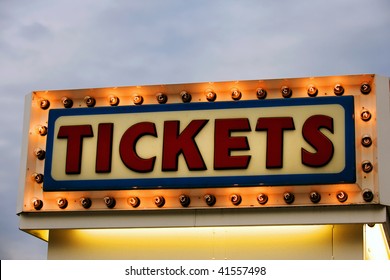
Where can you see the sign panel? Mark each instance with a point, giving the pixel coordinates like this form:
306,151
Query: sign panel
271,142
310,141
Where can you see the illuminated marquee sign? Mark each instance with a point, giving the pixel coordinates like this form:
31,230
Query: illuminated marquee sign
249,143
257,143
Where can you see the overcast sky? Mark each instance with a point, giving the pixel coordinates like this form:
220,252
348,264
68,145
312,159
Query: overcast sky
91,43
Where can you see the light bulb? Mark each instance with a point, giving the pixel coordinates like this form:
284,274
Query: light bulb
286,92
338,89
262,198
138,100
39,153
159,201
185,96
184,200
62,203
236,199
210,199
342,196
89,101
288,197
109,201
162,98
44,104
67,102
261,93
86,202
134,201
312,91
113,100
236,94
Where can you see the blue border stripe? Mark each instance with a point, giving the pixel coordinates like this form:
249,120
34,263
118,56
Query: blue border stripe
348,175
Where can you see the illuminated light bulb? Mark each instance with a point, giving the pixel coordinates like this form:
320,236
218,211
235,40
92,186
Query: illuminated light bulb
159,201
37,203
286,91
109,201
368,195
261,93
185,96
211,96
312,91
184,200
342,196
67,102
288,197
338,89
367,166
113,100
134,201
89,101
86,202
365,88
236,199
366,141
62,203
41,130
315,197
210,199
39,153
38,178
138,100
365,115
236,94
262,198
44,104
162,98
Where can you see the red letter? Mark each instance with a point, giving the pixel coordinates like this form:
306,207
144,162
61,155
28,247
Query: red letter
104,148
127,147
184,143
275,127
323,146
224,144
75,135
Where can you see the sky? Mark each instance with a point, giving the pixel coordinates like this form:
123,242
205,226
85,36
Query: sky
67,44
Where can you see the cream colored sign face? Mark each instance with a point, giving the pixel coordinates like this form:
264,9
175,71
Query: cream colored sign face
275,142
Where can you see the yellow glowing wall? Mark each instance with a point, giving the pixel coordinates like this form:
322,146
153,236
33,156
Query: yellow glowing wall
256,242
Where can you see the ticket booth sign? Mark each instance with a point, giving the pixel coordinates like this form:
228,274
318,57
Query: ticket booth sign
297,141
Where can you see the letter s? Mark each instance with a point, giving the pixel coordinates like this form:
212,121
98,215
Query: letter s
323,145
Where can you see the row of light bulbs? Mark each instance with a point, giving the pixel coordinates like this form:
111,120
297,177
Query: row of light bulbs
211,96
210,200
